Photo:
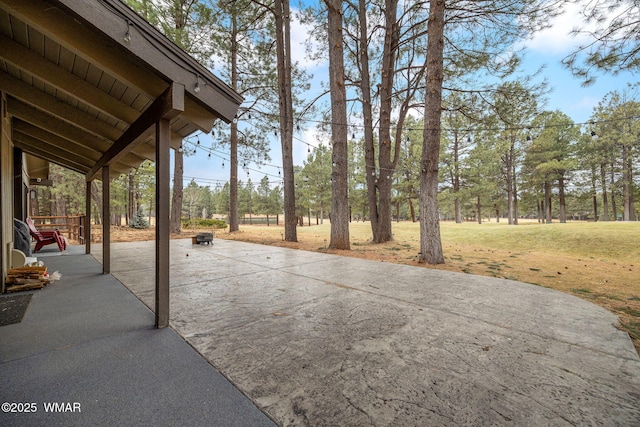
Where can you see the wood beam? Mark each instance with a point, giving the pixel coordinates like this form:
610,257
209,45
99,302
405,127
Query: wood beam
64,136
74,86
198,115
165,107
163,139
106,222
53,125
61,145
52,152
29,94
47,155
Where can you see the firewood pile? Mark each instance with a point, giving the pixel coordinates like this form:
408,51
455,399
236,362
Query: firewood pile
26,278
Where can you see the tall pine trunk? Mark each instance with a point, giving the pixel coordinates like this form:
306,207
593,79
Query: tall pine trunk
562,200
612,190
379,181
283,50
176,199
131,209
605,201
339,131
627,183
233,136
430,241
456,180
547,202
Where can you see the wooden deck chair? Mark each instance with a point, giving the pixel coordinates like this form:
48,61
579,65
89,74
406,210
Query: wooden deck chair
44,238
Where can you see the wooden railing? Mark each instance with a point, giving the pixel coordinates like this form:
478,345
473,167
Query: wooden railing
71,226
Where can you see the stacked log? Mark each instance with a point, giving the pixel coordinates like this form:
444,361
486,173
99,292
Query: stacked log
26,278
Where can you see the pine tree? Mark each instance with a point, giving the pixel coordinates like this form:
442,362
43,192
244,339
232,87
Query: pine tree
139,221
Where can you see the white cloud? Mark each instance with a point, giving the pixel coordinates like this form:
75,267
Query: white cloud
299,39
557,39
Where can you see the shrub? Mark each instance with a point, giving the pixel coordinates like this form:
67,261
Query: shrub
139,221
203,223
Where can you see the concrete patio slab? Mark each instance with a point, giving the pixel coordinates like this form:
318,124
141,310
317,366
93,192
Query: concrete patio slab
317,339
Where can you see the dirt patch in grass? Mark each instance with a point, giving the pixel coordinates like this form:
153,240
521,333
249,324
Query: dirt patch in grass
605,276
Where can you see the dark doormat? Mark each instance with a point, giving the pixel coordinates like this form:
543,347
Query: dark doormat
13,307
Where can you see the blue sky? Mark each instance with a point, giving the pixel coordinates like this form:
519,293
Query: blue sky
547,48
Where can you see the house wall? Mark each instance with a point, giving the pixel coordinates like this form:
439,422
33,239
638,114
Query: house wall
20,187
6,189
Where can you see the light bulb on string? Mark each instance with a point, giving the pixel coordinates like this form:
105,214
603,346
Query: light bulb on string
127,36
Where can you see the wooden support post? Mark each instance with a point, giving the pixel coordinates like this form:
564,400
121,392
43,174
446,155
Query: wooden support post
87,219
163,137
106,222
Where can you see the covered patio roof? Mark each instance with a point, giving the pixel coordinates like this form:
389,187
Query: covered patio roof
93,87
80,74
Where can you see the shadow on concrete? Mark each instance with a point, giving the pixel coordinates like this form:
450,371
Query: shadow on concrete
87,343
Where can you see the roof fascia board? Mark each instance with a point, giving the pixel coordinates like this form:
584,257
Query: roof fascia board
114,19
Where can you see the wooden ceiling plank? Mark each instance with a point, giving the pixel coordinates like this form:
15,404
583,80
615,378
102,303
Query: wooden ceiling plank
56,76
61,26
65,130
52,157
18,89
45,146
63,145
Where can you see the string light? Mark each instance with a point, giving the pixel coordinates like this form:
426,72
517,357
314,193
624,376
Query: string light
127,36
382,170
